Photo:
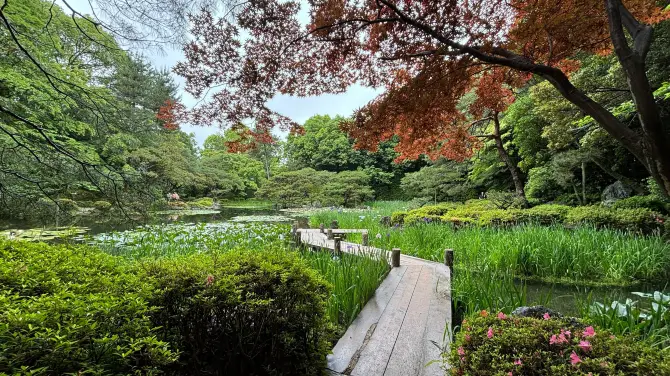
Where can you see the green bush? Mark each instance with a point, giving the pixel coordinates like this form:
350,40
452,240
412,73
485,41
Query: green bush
500,345
640,220
202,203
102,205
76,310
66,310
241,313
398,218
428,214
546,214
643,202
177,205
65,204
499,217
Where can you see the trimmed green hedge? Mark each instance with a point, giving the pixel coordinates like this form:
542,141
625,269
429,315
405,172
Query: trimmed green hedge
636,219
241,313
76,310
66,310
500,345
646,202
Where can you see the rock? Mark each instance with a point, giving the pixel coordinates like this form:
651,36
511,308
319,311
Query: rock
536,312
385,221
614,192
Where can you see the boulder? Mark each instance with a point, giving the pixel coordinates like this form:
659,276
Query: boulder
536,312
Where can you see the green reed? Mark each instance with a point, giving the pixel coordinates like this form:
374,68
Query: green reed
583,255
353,278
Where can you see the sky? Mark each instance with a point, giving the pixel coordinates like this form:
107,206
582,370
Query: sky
298,109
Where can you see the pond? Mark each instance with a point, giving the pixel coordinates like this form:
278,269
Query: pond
79,227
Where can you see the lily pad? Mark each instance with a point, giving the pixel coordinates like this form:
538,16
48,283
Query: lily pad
261,218
187,212
39,234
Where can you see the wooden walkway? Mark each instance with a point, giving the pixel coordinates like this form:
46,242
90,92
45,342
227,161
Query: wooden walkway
403,327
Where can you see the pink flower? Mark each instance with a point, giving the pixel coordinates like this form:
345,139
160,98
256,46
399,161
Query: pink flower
574,358
585,345
509,373
612,337
461,351
483,313
546,316
209,280
589,332
490,332
501,316
566,332
558,339
467,338
518,362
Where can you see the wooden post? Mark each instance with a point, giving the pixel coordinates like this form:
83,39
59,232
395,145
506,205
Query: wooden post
294,231
334,224
395,257
449,261
330,234
338,245
322,228
365,238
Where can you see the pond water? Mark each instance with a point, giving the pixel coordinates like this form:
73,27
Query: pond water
567,298
87,225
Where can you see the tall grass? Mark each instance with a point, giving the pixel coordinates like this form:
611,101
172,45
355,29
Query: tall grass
353,278
583,255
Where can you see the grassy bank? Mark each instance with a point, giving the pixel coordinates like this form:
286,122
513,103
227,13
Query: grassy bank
583,255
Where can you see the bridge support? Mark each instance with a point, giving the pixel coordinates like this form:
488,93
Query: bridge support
395,257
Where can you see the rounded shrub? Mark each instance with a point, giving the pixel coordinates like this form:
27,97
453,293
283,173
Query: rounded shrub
241,313
102,205
398,218
650,202
638,220
546,214
74,310
202,203
500,345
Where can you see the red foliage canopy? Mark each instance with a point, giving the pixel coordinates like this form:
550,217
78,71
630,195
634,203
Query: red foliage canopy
170,113
426,54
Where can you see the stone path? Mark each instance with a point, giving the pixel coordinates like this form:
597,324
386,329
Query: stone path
403,327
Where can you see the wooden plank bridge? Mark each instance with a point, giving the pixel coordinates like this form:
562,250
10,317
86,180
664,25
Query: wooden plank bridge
404,326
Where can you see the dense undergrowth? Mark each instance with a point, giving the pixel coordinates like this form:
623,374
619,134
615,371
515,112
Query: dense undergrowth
177,300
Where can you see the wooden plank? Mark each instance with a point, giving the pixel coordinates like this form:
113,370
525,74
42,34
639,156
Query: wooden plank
353,339
408,352
336,230
375,356
439,319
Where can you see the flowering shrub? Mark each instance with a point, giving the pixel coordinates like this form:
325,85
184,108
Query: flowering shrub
490,344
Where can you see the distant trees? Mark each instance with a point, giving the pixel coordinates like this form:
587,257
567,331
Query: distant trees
322,145
311,187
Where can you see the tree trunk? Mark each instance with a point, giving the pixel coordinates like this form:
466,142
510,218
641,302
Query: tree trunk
654,143
584,182
504,156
